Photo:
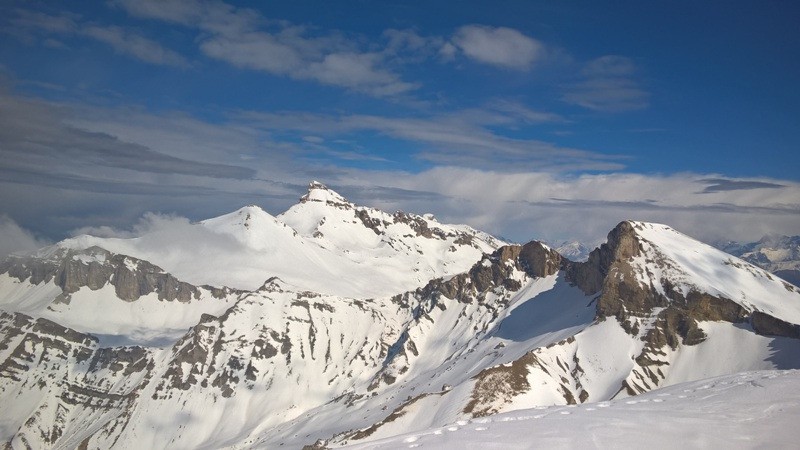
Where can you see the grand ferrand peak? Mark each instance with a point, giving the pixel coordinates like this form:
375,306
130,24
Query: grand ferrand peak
318,192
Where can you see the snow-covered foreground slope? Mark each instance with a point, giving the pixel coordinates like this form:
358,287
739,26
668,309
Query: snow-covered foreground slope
745,410
324,243
284,366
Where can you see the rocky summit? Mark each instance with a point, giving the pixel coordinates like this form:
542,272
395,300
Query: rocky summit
334,324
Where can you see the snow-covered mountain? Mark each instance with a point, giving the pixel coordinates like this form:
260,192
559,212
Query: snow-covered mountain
327,351
323,243
778,254
573,250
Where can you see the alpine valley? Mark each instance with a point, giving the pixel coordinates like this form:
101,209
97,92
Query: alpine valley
334,324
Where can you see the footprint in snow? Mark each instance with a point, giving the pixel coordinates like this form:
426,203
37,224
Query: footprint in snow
452,428
480,428
603,405
590,409
461,423
664,395
631,402
657,400
411,439
413,446
565,412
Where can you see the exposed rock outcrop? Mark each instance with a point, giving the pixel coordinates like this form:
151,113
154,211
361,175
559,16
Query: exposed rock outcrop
534,259
772,326
95,267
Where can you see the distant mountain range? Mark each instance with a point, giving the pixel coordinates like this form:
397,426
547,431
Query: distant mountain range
778,254
573,250
334,324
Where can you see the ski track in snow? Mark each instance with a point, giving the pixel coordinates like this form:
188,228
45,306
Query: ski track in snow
748,410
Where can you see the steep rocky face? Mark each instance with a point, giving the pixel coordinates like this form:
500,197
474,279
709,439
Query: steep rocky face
95,267
622,244
498,269
621,272
63,382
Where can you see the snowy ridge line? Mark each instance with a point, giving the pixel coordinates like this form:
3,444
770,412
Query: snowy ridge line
324,244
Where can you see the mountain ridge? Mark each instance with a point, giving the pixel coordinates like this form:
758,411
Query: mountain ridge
313,240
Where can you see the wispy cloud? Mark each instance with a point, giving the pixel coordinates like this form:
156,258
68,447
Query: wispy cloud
129,43
498,46
467,138
81,164
36,135
245,39
27,24
608,85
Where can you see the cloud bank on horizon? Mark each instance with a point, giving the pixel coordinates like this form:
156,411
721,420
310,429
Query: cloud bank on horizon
528,121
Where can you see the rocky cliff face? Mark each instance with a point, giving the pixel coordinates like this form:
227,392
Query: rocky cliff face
95,267
59,387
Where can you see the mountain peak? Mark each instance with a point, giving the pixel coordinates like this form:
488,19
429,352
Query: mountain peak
318,192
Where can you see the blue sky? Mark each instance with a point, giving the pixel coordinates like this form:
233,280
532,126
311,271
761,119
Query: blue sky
516,117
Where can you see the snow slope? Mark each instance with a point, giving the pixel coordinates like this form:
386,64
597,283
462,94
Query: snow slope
695,266
743,411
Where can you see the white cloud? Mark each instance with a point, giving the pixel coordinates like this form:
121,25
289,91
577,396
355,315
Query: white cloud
538,205
500,46
358,71
608,85
15,239
150,222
